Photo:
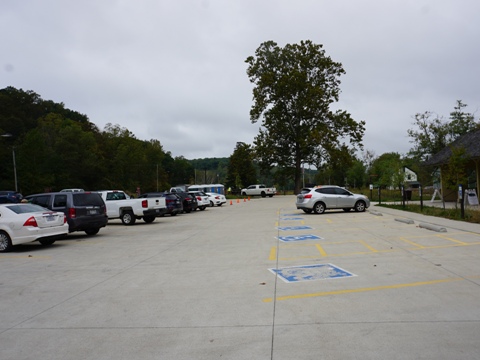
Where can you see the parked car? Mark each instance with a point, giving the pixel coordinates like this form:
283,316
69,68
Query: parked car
23,223
189,202
192,200
85,211
321,198
172,201
216,199
8,197
202,199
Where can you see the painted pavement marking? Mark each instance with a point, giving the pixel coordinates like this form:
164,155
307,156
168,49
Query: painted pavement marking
292,238
351,291
291,228
311,272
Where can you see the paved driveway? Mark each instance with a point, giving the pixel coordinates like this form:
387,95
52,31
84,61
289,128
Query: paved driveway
252,280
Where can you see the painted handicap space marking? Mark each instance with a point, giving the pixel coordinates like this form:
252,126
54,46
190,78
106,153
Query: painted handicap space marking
297,214
311,272
291,218
288,228
299,238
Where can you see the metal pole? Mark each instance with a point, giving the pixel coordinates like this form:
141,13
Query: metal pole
14,169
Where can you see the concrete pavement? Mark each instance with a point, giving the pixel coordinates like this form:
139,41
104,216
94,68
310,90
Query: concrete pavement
253,280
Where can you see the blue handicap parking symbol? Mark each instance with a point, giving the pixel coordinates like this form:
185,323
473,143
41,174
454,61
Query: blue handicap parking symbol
299,238
288,228
291,218
311,272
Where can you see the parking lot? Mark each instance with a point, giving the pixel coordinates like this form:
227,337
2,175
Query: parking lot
255,279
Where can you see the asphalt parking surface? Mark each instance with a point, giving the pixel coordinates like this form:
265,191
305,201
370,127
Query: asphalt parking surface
253,280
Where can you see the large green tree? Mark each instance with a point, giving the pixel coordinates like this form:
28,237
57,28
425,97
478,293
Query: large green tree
432,132
241,170
294,88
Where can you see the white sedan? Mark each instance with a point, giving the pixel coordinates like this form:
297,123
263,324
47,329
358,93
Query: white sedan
202,199
24,222
216,199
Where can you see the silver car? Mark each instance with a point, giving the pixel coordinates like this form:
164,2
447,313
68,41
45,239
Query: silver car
321,198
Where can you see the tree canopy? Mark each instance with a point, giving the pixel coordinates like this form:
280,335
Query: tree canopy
294,89
432,132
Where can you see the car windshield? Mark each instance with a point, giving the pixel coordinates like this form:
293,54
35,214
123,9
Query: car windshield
25,208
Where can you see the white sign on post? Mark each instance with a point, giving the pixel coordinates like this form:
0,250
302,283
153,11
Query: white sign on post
472,197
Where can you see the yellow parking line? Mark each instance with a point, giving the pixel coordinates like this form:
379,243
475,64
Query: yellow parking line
412,243
350,291
454,240
321,250
273,253
364,243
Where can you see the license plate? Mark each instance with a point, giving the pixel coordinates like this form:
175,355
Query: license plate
50,218
92,212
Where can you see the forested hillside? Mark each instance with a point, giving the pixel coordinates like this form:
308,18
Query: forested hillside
57,148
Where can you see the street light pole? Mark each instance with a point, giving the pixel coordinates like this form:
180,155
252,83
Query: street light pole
8,135
14,168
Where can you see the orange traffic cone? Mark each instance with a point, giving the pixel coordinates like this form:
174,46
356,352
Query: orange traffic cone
249,198
231,202
244,200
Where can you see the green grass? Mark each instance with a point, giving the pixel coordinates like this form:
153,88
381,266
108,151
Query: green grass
472,216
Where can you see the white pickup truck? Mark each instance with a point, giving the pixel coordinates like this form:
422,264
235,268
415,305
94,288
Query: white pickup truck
259,190
121,206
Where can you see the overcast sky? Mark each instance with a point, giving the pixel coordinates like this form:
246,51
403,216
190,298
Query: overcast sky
174,70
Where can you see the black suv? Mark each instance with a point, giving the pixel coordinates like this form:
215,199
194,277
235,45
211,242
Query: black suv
85,211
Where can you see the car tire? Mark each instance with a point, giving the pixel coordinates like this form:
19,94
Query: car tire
212,204
244,193
319,208
128,218
202,208
307,211
360,206
93,231
347,209
5,242
263,194
149,219
46,242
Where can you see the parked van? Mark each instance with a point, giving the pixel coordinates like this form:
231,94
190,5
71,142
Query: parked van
85,211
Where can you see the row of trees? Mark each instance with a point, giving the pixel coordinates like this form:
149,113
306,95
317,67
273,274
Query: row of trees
294,88
57,148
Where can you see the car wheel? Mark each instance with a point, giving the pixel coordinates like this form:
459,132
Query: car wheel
360,206
128,218
5,242
263,194
93,231
319,208
212,204
46,242
244,193
307,211
346,209
149,219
